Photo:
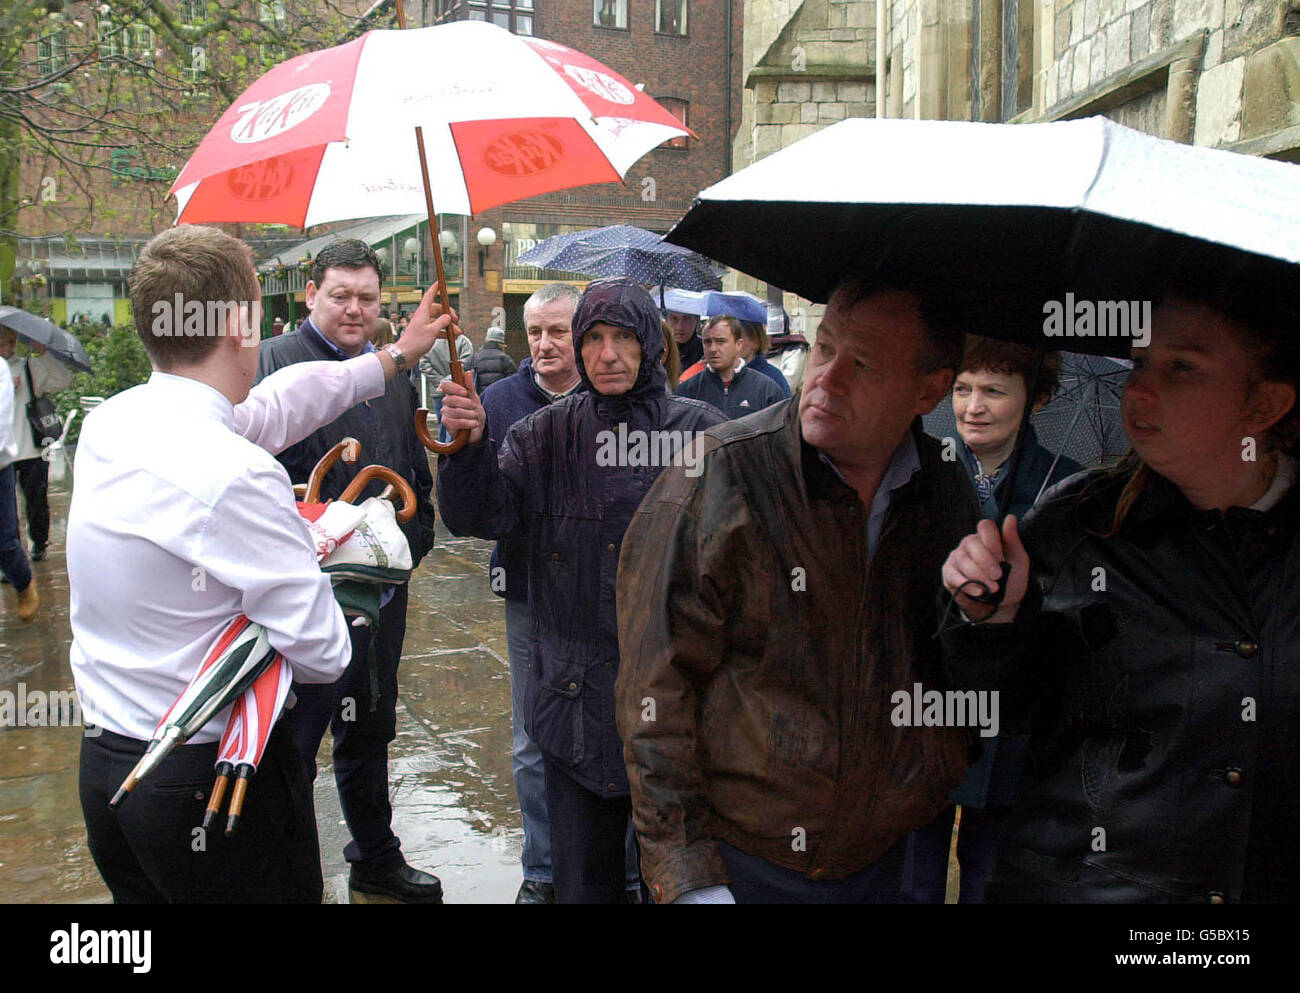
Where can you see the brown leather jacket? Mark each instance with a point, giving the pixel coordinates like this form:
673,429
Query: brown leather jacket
760,650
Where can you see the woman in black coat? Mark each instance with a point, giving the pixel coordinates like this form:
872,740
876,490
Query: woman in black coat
1151,630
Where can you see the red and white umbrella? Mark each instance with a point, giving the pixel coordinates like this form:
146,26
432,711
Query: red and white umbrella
246,736
328,136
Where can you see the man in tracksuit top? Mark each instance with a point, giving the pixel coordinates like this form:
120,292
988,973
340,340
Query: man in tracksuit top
725,382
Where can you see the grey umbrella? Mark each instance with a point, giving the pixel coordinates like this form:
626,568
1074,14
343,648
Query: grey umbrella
40,331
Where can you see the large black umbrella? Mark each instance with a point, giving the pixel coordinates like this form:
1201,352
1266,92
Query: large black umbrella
625,250
39,331
1007,218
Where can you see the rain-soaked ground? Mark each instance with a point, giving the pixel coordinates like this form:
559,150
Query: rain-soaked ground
449,769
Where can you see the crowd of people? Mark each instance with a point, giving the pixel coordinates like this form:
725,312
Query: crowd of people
708,639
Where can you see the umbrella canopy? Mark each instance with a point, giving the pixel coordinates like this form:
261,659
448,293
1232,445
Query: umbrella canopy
329,135
625,250
709,303
1081,422
1007,217
39,331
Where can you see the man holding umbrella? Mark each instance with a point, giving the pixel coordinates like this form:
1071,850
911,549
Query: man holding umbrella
181,520
13,560
771,606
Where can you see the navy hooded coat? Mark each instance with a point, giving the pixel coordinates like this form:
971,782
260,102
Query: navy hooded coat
550,482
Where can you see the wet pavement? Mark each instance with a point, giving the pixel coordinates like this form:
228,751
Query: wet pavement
449,769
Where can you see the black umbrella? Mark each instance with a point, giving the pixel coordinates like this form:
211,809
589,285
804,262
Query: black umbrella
625,250
1006,218
39,331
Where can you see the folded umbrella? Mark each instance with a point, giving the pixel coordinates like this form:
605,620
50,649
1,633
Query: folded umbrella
39,331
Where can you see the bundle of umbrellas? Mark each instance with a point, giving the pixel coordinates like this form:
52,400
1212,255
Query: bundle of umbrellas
361,548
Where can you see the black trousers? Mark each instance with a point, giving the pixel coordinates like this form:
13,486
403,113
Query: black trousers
361,712
152,848
34,481
588,839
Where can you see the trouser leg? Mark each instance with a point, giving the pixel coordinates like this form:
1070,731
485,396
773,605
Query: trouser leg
588,840
526,758
34,479
13,560
361,744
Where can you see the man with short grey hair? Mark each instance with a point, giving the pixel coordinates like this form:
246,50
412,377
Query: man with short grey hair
550,373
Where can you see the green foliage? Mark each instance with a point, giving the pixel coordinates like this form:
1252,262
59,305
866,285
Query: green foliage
119,361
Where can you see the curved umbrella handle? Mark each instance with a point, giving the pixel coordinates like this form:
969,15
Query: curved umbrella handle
422,415
397,486
350,451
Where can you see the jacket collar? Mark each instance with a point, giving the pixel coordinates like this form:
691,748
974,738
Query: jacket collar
312,336
823,480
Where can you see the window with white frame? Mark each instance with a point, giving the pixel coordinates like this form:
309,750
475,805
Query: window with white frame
52,53
609,13
670,16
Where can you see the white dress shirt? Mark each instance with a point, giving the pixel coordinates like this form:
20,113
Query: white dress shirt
181,519
49,375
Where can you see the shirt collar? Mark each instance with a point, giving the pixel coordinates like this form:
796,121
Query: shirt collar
552,397
195,395
332,349
903,465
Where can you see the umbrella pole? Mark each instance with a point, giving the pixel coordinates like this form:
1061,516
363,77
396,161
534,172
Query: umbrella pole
457,370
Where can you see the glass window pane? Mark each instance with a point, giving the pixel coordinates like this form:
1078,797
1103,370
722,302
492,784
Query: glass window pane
523,4
523,24
609,13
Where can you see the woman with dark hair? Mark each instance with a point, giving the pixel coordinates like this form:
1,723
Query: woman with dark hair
1150,629
989,400
671,358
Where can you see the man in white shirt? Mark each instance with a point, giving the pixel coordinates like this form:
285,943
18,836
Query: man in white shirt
181,519
44,374
13,560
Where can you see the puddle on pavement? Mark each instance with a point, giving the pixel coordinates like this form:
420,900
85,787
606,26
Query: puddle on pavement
449,769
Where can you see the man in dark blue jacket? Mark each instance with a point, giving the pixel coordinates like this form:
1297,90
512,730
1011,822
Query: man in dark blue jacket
567,480
343,296
726,382
550,373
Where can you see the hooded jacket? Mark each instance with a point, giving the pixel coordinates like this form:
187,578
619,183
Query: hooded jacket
508,401
550,481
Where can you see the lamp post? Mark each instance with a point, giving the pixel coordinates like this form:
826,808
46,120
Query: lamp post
486,238
411,249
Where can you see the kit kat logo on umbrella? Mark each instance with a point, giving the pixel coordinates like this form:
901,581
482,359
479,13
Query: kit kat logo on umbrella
265,119
523,153
263,180
604,86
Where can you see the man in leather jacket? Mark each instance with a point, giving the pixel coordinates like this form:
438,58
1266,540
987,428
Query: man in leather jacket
771,608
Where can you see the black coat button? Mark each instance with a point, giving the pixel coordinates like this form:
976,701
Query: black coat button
1246,648
609,547
1232,777
1216,897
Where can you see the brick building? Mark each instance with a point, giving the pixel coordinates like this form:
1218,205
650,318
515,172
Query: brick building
686,54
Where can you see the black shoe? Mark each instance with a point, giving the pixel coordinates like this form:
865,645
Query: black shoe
401,883
38,553
534,892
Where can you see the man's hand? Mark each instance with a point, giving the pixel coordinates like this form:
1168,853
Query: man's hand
978,557
424,329
461,409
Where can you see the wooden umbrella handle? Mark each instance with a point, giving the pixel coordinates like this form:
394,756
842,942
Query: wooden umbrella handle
349,449
397,487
